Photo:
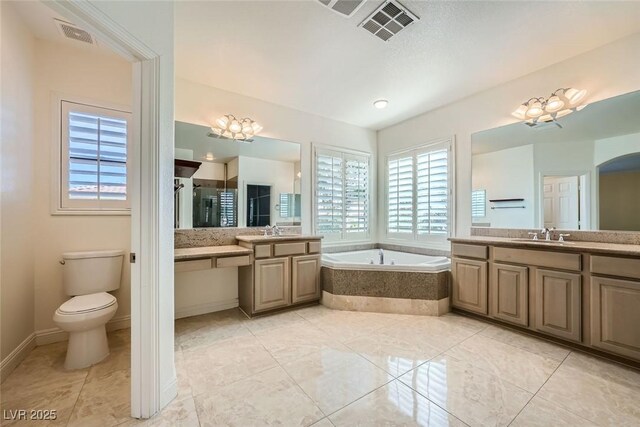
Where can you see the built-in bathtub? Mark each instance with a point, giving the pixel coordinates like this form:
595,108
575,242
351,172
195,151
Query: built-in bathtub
406,283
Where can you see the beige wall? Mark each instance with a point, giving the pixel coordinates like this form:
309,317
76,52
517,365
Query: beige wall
620,201
98,77
17,148
200,104
605,72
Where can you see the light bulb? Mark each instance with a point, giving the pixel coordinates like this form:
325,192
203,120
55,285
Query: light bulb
554,104
235,126
256,127
222,122
520,112
535,110
563,113
380,103
545,118
574,95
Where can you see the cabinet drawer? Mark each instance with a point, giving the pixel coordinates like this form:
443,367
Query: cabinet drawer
314,247
613,266
192,265
550,259
262,251
284,249
233,261
470,251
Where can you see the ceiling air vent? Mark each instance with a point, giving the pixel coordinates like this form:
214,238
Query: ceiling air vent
388,20
345,8
70,31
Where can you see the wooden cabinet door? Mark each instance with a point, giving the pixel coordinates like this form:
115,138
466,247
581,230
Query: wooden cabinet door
615,316
469,285
558,304
272,283
510,293
305,278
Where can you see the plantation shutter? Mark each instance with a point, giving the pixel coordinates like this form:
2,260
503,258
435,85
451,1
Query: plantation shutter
400,195
356,178
95,147
329,193
478,203
432,193
228,212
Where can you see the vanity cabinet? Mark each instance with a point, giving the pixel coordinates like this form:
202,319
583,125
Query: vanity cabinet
272,283
305,278
510,293
284,273
558,304
469,284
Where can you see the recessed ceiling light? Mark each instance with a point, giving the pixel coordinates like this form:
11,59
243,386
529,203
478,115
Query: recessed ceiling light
209,157
380,103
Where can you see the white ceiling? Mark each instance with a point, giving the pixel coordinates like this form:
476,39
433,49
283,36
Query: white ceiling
195,138
604,119
304,56
39,18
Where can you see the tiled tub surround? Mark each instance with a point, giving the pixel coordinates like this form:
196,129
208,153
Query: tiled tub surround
199,237
584,293
386,291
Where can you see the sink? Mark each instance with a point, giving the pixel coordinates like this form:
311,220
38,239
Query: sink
543,242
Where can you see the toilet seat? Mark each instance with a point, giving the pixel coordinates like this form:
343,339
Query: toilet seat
87,303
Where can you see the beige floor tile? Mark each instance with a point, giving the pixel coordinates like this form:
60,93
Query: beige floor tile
119,358
179,413
602,392
395,354
60,398
212,333
104,401
334,378
226,362
348,325
454,319
525,342
469,393
288,344
394,404
542,413
193,323
430,331
266,323
522,368
184,385
268,398
323,423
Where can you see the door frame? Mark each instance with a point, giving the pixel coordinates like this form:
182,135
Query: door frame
584,218
149,317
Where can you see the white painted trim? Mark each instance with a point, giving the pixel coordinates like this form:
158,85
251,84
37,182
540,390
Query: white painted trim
53,335
18,354
198,309
151,316
588,221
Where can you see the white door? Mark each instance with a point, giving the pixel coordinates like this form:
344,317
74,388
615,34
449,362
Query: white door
561,202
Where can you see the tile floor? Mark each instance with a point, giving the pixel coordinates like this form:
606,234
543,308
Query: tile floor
324,367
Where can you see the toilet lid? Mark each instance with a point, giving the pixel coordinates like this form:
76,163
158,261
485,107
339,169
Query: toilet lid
86,303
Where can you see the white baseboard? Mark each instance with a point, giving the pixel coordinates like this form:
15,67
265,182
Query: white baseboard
18,354
50,336
196,310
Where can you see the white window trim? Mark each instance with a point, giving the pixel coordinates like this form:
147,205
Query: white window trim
56,157
356,237
437,242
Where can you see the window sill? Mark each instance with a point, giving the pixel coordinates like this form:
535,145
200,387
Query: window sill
78,212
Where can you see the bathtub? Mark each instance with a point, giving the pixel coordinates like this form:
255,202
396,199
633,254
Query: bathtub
406,283
393,261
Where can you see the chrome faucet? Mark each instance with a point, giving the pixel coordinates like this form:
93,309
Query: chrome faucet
275,231
547,233
381,256
266,230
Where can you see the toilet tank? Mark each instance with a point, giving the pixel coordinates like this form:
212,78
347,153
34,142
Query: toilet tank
91,272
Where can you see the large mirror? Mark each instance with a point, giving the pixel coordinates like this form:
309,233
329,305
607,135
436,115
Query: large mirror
581,173
224,183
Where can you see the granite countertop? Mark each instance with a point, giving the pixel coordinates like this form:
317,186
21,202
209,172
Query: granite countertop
567,246
209,251
261,238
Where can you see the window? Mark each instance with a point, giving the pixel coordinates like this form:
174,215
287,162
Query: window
419,193
94,150
341,195
478,203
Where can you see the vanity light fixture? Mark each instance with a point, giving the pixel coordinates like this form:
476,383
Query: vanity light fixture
380,104
560,103
229,126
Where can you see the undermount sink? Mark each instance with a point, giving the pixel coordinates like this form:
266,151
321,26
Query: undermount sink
543,242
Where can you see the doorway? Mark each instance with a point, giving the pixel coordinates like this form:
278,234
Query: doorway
565,201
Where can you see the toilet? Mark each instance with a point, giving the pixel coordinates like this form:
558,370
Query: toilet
87,278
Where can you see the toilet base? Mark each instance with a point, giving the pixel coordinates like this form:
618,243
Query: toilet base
86,348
